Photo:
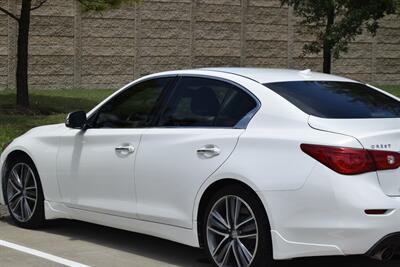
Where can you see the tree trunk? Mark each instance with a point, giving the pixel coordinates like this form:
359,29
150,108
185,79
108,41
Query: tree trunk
327,65
328,45
22,54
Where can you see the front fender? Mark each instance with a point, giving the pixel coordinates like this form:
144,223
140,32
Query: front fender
41,145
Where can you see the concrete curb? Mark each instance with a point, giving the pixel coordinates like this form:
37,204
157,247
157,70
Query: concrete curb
3,211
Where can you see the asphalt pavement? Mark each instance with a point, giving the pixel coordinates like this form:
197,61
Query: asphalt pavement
75,243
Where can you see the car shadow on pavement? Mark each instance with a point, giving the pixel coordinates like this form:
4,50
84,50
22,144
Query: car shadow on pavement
174,253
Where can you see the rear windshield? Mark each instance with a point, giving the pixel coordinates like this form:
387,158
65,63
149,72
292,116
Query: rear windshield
337,100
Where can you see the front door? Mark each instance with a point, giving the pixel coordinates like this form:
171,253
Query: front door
95,167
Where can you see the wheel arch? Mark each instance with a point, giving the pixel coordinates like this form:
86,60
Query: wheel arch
213,188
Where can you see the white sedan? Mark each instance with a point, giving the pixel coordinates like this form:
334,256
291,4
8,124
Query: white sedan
251,164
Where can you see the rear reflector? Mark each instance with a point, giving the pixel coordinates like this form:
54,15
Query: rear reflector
375,212
351,161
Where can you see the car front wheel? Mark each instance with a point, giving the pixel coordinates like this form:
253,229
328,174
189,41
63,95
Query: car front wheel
236,229
24,193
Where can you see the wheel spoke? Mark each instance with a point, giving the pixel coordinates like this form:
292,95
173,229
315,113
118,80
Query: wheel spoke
223,241
14,207
10,199
14,186
13,202
16,179
245,251
27,177
248,236
22,207
30,188
235,254
243,259
28,210
227,211
237,212
244,222
219,220
249,228
217,231
226,254
22,174
30,198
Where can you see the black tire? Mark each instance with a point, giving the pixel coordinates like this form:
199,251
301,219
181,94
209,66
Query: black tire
37,217
263,256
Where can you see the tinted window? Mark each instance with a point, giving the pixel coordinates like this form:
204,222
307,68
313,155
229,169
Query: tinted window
342,100
133,107
201,102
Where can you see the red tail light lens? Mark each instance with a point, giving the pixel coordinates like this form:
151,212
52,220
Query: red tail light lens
385,160
351,161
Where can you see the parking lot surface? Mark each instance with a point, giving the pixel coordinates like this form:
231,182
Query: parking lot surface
86,244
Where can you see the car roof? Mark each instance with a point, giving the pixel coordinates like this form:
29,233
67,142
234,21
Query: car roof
264,75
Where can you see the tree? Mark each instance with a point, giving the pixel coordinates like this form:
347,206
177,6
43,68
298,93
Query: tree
23,21
337,22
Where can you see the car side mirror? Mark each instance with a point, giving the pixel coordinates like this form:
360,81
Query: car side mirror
76,120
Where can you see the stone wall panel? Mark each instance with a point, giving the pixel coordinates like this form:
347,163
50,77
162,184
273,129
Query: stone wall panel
69,47
201,62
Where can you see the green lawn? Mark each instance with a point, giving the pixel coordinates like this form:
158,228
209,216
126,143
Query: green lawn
58,103
393,89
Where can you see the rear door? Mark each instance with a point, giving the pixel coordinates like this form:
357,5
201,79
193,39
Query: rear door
195,133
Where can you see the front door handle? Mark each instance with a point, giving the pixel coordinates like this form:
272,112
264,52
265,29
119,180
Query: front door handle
209,151
125,149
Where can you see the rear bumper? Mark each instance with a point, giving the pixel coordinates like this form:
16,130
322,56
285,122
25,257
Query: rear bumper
327,216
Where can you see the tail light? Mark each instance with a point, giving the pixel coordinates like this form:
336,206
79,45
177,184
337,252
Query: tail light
351,161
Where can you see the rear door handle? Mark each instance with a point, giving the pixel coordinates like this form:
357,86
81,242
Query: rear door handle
209,151
125,149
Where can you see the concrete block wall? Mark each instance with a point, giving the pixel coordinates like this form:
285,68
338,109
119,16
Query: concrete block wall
74,49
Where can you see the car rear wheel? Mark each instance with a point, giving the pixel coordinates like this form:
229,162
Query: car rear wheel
24,193
236,229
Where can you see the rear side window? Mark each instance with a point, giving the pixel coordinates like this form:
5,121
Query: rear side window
337,100
202,102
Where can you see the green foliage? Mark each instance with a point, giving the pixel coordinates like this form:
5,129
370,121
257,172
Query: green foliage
101,5
337,22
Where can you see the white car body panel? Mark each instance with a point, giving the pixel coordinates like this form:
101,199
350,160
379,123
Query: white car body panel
312,210
41,144
90,171
169,171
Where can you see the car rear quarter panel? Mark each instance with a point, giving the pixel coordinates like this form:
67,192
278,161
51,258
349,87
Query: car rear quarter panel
272,158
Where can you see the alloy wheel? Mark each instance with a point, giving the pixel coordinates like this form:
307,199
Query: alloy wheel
232,232
22,192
